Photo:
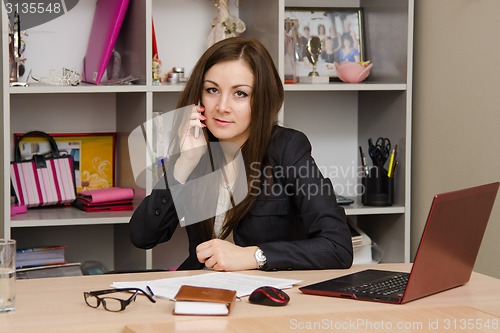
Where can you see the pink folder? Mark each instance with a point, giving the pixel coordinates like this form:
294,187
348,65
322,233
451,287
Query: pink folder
104,207
108,19
107,195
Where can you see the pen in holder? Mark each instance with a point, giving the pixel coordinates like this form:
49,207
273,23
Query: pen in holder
378,188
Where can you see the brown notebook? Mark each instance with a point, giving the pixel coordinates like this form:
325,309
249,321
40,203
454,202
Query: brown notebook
191,300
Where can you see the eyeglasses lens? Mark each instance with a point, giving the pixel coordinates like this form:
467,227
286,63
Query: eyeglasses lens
91,301
112,304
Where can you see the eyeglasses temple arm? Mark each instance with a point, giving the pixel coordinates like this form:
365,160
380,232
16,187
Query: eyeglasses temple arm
109,291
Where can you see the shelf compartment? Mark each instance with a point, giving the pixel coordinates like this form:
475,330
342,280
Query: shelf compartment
346,87
67,216
356,209
35,88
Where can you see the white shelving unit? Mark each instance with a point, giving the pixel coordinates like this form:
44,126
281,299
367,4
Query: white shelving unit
337,117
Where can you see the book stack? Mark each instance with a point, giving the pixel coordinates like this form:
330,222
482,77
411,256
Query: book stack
106,199
38,256
44,261
58,270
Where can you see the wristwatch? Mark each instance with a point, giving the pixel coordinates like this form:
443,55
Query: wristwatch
260,258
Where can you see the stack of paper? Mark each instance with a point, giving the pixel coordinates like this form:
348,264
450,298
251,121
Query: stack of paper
355,235
244,284
361,244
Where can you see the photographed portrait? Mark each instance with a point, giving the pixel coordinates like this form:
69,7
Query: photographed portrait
339,29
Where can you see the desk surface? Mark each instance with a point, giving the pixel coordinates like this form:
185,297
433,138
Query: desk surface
56,305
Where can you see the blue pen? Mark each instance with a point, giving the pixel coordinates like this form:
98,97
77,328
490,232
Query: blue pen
150,291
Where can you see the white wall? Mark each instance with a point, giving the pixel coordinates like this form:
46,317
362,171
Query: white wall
456,131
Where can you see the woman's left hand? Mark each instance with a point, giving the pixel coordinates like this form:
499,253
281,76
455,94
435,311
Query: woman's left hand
222,255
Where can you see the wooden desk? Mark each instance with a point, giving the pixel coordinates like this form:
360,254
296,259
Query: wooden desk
56,305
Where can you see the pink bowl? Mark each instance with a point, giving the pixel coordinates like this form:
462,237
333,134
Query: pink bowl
352,72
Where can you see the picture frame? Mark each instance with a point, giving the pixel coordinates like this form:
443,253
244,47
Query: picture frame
341,32
93,155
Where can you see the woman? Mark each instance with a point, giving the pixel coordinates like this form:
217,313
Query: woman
348,52
328,54
288,217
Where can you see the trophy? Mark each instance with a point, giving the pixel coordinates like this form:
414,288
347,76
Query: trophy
313,51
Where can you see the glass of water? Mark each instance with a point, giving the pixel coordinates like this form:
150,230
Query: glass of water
7,275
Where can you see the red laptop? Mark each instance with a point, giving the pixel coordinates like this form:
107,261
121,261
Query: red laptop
445,257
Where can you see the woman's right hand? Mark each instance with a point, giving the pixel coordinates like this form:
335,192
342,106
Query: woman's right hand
191,148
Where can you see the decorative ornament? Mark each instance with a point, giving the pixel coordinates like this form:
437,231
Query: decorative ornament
224,25
156,70
16,50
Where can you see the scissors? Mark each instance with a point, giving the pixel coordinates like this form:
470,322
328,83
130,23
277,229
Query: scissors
380,151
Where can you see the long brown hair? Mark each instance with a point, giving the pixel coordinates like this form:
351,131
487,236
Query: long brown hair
267,99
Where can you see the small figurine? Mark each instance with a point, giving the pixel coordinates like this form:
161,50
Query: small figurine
16,49
224,25
156,70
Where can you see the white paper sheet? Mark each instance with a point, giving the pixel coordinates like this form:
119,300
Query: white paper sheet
244,284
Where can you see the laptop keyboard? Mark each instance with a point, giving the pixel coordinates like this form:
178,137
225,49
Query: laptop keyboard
393,285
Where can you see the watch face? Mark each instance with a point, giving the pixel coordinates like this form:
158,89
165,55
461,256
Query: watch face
259,255
260,258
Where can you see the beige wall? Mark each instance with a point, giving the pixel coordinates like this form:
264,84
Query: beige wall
456,109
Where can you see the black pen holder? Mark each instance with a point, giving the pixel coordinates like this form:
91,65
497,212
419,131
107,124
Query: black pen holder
378,188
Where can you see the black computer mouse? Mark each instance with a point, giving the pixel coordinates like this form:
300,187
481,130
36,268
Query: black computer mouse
268,295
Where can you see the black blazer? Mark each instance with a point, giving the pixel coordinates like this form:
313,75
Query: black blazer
296,221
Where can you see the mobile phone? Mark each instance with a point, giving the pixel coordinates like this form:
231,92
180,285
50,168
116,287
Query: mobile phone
196,128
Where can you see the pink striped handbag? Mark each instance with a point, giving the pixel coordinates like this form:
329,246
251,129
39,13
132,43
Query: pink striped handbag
43,180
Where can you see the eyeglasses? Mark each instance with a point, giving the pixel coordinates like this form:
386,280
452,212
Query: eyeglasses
93,298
